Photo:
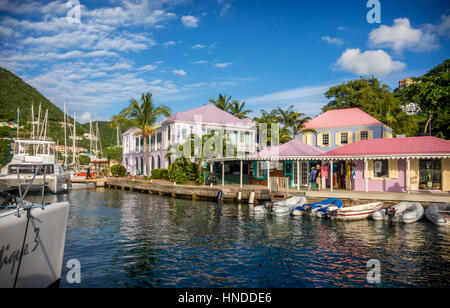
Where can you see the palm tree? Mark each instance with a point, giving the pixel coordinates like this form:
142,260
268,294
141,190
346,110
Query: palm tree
237,109
298,123
222,102
142,116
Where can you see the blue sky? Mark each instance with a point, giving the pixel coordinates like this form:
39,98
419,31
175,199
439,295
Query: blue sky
268,53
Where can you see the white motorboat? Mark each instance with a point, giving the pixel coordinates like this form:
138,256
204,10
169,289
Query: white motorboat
406,212
28,155
32,240
357,212
439,213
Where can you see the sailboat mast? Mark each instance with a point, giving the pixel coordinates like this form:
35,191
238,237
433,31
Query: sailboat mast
90,137
18,123
32,121
65,135
38,123
74,139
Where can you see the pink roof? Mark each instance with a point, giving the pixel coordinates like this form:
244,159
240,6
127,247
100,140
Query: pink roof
411,145
208,114
292,148
342,118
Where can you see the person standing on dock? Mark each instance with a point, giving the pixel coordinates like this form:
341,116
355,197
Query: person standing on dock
312,179
88,173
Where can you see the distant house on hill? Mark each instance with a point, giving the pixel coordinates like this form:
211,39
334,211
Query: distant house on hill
336,128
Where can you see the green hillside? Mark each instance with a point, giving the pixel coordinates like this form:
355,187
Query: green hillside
14,93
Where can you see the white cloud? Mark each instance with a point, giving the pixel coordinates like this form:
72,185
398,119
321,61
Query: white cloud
86,117
290,95
372,62
149,67
179,72
190,21
223,65
198,46
169,43
401,36
333,40
201,62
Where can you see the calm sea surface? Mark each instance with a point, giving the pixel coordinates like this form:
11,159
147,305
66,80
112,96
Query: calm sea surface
131,239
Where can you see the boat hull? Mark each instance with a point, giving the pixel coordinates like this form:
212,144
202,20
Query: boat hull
439,214
357,212
43,251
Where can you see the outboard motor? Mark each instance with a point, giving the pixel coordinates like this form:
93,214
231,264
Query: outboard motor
390,212
332,211
268,206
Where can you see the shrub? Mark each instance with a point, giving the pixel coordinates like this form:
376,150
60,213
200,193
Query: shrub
183,171
160,174
118,170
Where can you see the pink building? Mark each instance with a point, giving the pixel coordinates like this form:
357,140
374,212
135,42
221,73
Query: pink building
396,165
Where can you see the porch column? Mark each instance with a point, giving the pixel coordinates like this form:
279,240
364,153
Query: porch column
323,179
366,173
240,173
331,175
408,174
298,175
223,174
268,174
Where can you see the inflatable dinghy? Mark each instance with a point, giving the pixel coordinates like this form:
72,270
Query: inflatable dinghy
439,213
357,212
280,208
406,212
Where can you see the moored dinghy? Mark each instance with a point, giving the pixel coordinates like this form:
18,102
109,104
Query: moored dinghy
285,207
439,213
406,212
280,208
357,212
320,209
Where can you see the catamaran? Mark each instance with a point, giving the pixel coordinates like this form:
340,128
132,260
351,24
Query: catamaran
27,156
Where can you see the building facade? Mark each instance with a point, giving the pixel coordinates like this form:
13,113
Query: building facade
176,129
337,128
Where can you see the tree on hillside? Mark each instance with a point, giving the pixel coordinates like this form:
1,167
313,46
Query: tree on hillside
432,93
376,99
144,116
222,102
237,109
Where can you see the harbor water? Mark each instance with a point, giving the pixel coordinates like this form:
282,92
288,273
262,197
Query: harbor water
133,239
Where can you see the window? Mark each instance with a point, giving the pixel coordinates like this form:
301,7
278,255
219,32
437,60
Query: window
430,174
326,139
184,133
241,137
364,135
344,138
381,168
260,169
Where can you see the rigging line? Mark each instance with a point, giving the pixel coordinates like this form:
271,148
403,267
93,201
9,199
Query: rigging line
23,244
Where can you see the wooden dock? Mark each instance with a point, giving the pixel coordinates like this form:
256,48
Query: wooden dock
100,182
230,193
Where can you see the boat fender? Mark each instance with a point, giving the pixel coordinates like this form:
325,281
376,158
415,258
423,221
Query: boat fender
219,196
251,198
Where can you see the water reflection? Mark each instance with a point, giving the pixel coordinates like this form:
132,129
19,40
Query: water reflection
129,239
